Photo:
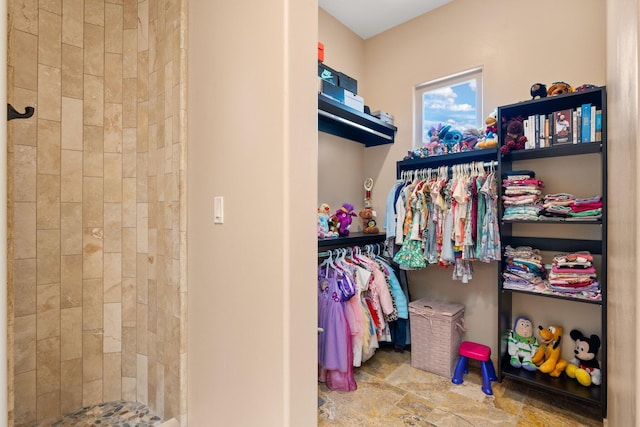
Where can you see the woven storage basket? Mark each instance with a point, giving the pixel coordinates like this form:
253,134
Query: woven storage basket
436,333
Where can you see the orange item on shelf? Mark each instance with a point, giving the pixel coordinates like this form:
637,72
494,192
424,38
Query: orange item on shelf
320,52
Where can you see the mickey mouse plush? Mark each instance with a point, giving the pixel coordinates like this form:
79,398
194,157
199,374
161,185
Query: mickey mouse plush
584,367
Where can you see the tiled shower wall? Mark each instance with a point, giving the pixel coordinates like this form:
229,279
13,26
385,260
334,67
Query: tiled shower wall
97,206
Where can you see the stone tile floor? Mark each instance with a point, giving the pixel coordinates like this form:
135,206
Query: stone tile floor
110,414
392,393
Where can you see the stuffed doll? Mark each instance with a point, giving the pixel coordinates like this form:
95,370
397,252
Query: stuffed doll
547,358
522,345
369,224
491,132
584,367
344,216
323,222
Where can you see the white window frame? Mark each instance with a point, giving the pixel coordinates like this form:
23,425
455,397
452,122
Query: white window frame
442,83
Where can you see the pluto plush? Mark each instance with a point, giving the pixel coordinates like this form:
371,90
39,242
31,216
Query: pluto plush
559,88
547,358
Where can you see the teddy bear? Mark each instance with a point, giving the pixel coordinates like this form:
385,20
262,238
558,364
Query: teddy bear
344,216
369,224
539,90
514,137
584,367
522,345
547,357
559,88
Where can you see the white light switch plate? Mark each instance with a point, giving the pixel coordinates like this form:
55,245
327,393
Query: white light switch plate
218,210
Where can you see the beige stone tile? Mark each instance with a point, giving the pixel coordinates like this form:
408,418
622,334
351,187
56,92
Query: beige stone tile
93,100
129,205
71,229
92,306
143,75
129,352
92,355
143,25
24,58
113,78
130,14
113,177
24,230
24,180
73,69
142,278
112,328
48,406
91,392
49,92
112,277
48,361
25,393
71,385
142,378
130,54
94,50
71,177
24,283
129,389
128,302
129,153
27,19
92,199
71,285
142,226
49,38
53,6
113,128
129,252
48,202
48,147
24,131
93,161
24,344
142,326
92,254
48,311
72,135
73,22
152,255
71,333
113,27
113,228
94,12
112,377
129,104
48,259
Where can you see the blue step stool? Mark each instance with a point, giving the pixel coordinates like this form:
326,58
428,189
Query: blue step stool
482,353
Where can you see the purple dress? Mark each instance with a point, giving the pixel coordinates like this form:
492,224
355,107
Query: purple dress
335,354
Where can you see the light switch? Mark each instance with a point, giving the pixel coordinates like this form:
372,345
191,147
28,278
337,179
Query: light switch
218,210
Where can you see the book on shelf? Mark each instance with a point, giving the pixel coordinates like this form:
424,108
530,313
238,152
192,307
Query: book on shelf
563,124
586,123
598,136
592,132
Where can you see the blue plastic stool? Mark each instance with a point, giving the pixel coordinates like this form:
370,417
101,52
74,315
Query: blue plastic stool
482,353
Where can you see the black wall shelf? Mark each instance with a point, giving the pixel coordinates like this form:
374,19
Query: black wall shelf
346,122
486,155
355,238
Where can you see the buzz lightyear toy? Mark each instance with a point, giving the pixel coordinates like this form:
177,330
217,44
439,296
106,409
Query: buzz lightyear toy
522,344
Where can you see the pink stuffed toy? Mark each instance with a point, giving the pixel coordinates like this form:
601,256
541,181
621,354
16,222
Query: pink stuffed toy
344,215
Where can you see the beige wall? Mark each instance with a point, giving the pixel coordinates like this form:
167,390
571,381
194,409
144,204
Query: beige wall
252,353
97,205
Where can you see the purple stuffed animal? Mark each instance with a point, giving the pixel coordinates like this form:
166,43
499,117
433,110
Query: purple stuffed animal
344,215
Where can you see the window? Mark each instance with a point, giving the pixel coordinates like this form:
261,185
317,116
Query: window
454,100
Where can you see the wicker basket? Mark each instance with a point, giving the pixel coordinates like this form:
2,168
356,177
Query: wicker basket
436,333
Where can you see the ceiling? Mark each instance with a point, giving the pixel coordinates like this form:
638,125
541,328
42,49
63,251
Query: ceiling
367,18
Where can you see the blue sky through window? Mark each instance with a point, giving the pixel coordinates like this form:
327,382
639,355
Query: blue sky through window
454,105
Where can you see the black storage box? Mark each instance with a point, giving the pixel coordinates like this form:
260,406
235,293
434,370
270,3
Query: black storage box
348,83
327,74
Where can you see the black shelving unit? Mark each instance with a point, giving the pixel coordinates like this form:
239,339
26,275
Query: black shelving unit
338,119
574,153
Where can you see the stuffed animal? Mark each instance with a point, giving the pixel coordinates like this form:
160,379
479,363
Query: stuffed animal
514,137
433,145
368,221
559,88
547,358
490,133
539,90
585,86
323,222
344,215
470,138
584,367
522,345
